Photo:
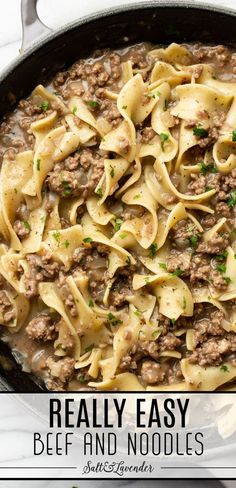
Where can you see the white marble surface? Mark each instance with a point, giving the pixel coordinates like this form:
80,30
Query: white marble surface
55,13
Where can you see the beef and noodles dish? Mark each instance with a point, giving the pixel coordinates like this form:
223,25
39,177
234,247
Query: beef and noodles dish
118,222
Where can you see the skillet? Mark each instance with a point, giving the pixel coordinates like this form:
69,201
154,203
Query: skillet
157,21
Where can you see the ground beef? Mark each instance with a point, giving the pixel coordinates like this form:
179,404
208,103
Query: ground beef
200,268
66,183
67,296
182,233
41,328
212,326
220,55
6,308
41,268
60,372
216,245
152,372
148,349
208,221
213,351
180,260
169,342
147,134
21,229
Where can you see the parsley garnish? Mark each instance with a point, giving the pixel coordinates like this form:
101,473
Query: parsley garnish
227,279
184,303
173,321
56,235
114,321
124,107
27,225
222,256
152,250
207,168
88,239
123,236
232,199
44,105
234,136
99,192
93,103
81,380
66,244
163,265
74,110
224,368
221,268
91,303
208,188
164,138
193,240
112,171
38,164
136,197
67,188
128,261
118,224
199,131
177,272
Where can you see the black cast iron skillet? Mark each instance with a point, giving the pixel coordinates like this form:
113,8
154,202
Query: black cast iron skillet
155,21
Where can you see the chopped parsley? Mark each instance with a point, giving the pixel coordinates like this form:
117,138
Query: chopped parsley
27,225
193,240
173,321
38,164
118,224
164,138
128,261
67,188
152,250
224,368
163,265
112,171
184,303
89,348
123,236
207,168
124,107
81,379
136,197
137,313
114,320
165,105
234,136
88,240
222,256
177,272
221,268
57,235
199,131
232,199
44,105
74,110
66,244
91,303
208,188
227,279
99,192
93,103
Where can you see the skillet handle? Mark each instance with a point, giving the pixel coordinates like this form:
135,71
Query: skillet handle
32,26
